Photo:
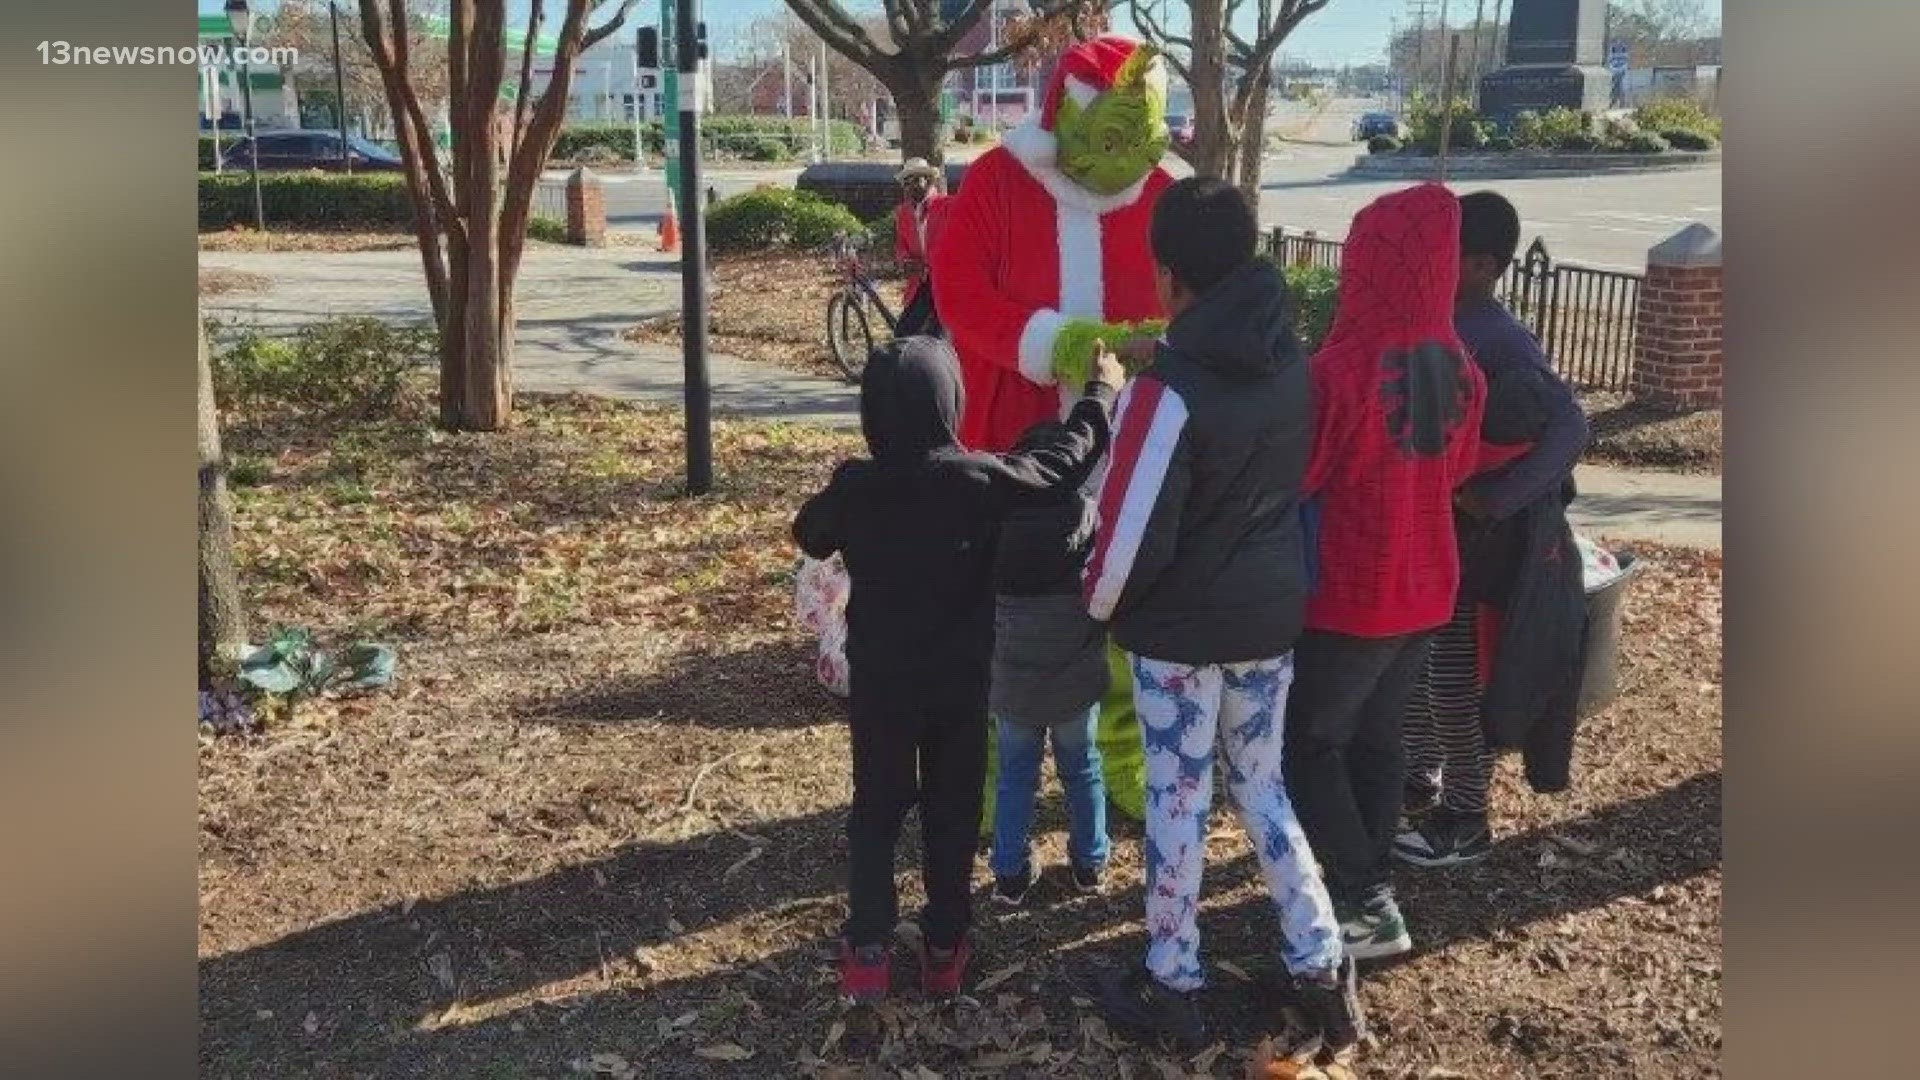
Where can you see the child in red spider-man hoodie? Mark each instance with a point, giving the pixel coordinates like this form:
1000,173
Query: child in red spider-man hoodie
1397,408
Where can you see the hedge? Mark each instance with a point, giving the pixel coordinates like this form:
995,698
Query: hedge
368,202
777,217
739,136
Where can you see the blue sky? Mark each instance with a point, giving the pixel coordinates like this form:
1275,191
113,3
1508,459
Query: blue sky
1347,31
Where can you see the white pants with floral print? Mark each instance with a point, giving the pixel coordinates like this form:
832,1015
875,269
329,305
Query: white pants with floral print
1185,710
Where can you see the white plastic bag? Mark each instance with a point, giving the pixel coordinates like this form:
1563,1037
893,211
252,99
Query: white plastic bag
1598,567
820,600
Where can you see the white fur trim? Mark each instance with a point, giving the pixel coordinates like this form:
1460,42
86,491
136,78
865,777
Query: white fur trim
1036,345
1038,151
1083,291
1082,93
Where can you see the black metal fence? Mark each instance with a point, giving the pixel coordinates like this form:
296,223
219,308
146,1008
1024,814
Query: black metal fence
1584,317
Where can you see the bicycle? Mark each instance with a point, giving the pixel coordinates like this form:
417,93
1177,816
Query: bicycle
849,329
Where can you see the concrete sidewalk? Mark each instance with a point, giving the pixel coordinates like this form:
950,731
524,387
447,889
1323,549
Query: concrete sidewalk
576,302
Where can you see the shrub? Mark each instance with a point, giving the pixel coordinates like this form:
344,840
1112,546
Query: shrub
1315,291
1425,119
1683,139
768,148
776,217
1555,129
347,368
372,202
206,151
882,235
1677,114
1500,143
551,230
1645,142
576,138
1382,144
600,154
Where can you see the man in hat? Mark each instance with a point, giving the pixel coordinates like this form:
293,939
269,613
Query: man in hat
914,221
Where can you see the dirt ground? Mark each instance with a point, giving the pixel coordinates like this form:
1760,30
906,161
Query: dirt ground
595,826
1636,436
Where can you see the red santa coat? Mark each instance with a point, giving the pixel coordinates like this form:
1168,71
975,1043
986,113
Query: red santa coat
1022,249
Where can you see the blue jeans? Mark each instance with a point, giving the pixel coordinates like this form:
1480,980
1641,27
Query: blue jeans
1076,757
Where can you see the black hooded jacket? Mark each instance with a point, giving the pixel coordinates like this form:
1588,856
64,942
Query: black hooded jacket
916,523
1199,556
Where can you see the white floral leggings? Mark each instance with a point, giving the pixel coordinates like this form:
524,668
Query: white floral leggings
1184,710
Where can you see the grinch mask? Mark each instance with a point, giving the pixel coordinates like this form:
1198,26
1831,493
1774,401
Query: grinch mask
1112,141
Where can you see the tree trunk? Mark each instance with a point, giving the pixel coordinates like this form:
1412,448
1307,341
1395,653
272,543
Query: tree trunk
1253,140
223,629
1213,134
918,106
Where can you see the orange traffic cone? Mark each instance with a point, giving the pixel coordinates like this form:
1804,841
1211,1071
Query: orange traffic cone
669,231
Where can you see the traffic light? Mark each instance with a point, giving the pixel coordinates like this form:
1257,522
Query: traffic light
700,39
647,46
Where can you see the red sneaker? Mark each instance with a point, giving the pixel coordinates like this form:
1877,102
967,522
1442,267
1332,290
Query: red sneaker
942,970
866,973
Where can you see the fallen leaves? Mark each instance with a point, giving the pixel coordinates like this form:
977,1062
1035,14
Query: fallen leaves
723,1052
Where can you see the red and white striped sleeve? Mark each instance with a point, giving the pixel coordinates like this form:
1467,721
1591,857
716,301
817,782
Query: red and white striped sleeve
1141,496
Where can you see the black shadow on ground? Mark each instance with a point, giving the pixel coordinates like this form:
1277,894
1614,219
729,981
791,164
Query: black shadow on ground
765,686
365,977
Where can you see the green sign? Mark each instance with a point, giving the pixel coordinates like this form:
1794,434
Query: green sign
670,99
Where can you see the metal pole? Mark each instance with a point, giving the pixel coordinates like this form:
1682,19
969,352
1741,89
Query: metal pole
210,93
693,265
1479,18
786,79
826,102
1493,47
639,144
253,145
339,87
1446,104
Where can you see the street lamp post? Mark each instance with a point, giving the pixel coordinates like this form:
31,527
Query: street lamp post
339,87
240,18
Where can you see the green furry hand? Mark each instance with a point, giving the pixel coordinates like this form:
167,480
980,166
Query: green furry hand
1073,350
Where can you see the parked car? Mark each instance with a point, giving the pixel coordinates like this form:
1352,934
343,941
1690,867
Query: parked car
1375,123
310,150
1180,127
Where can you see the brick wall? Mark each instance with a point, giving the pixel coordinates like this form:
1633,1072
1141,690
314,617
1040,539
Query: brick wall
1677,361
586,209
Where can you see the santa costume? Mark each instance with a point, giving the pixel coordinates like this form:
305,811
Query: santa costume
1024,252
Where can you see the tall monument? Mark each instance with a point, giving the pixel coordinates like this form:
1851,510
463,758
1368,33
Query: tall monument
1556,54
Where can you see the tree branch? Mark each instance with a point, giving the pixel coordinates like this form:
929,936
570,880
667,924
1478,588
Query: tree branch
523,101
841,33
392,64
610,27
1158,37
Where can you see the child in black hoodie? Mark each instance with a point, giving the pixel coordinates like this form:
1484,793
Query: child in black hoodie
916,525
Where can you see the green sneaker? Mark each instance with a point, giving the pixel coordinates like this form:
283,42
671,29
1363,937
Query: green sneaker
1373,930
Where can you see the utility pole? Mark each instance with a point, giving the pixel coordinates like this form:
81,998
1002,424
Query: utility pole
786,79
1419,10
1446,104
339,87
1493,47
826,104
1479,17
693,243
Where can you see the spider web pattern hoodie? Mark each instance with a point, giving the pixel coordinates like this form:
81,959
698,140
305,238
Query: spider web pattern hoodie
1397,408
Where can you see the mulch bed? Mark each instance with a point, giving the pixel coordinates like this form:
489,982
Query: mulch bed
1637,436
595,828
772,309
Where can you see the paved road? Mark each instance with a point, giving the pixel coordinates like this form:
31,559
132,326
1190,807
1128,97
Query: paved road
1607,221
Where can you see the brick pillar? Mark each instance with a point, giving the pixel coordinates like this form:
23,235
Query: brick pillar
1676,352
586,209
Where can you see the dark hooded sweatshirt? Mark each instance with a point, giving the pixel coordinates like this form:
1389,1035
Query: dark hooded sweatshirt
1199,557
917,522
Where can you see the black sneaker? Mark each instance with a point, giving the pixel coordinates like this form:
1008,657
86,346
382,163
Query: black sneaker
1373,930
1142,1008
1444,837
1086,879
1012,891
1333,1007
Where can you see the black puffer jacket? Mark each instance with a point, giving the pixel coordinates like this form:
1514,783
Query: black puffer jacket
1199,557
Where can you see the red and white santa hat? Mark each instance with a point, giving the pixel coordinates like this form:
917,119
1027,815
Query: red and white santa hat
1091,67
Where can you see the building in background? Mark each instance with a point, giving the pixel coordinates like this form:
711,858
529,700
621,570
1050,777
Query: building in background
998,95
275,103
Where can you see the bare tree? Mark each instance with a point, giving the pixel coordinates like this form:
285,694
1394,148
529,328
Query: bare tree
1230,76
911,49
478,202
304,25
223,624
